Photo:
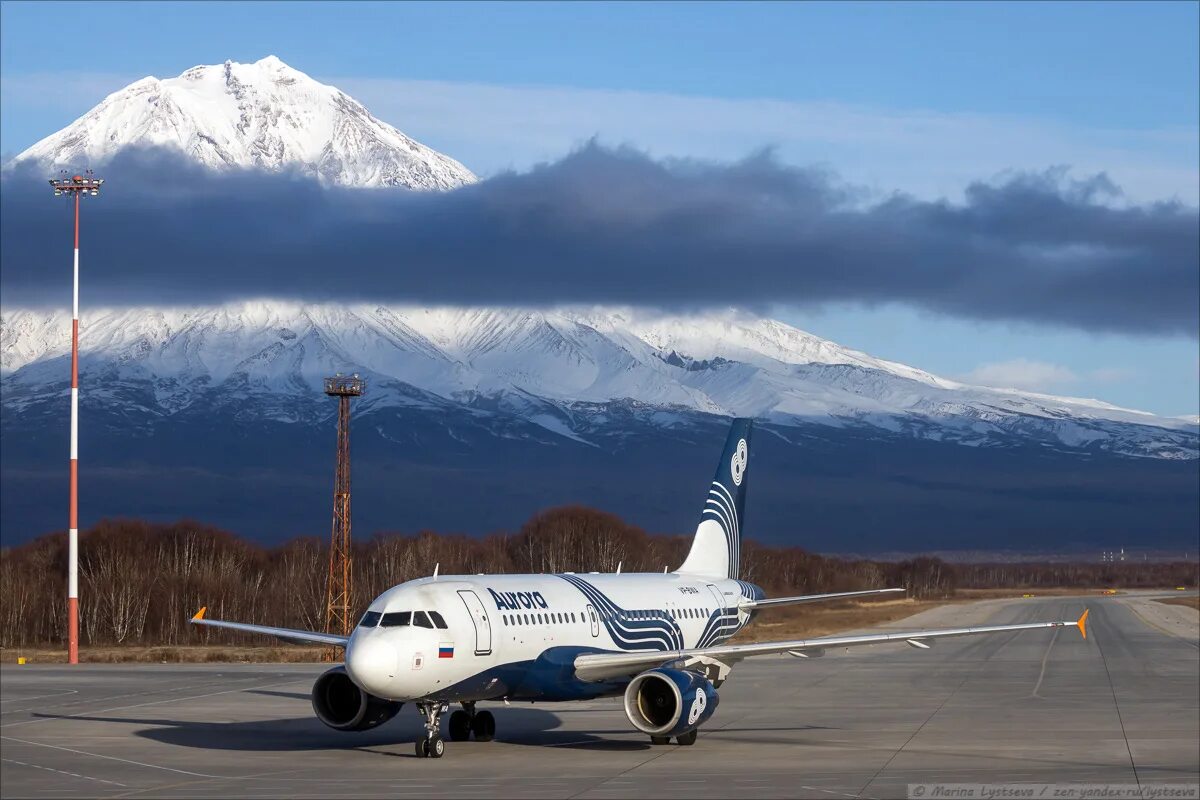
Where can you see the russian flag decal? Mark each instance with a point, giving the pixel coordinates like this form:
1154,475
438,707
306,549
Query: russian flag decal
445,651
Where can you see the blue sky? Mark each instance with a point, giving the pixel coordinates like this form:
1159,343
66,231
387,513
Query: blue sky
917,98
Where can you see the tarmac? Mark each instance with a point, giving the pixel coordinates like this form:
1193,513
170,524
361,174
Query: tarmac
1122,707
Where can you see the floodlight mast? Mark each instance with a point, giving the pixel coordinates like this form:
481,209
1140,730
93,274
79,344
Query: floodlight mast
76,186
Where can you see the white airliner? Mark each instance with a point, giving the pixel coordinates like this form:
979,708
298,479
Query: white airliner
656,638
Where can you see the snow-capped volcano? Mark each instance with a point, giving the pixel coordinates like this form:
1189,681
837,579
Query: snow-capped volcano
561,370
264,115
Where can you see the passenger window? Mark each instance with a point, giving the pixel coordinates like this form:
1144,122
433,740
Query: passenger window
421,620
370,619
572,616
396,619
438,622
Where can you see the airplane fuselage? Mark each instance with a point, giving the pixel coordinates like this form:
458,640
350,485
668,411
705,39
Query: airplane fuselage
494,637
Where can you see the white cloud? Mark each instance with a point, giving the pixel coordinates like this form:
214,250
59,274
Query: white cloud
931,154
1022,373
1112,374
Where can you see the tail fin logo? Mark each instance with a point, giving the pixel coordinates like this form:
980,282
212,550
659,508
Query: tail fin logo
737,464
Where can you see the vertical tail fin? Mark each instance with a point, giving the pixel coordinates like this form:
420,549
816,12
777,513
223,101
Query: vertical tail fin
717,547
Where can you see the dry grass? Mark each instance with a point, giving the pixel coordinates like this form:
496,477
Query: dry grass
1190,602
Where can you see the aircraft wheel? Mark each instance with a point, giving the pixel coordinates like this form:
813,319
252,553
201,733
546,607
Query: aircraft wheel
689,737
422,748
436,746
660,740
459,726
484,726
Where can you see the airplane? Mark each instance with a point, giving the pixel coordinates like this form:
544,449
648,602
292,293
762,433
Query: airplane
658,639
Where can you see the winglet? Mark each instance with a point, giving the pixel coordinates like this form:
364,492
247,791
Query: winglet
200,614
1082,623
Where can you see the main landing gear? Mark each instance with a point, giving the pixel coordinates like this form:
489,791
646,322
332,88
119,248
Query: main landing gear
685,739
461,726
467,721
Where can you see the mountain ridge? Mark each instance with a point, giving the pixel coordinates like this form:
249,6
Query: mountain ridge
720,363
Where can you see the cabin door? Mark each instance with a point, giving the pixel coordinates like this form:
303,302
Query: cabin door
479,616
591,612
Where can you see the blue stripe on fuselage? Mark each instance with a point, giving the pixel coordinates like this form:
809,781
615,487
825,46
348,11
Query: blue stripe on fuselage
550,677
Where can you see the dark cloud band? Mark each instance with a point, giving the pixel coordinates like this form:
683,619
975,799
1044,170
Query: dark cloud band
615,226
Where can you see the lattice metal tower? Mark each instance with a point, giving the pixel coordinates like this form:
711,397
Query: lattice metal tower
338,594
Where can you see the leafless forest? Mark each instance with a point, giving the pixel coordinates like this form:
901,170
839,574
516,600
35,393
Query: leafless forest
139,582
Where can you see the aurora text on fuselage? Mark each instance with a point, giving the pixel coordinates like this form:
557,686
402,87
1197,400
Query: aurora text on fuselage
515,601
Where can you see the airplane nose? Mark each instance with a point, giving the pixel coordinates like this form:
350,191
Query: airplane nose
371,662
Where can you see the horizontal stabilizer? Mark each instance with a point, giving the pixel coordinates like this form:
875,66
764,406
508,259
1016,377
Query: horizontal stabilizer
812,598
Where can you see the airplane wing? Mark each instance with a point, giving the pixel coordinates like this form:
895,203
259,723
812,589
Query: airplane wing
607,666
770,602
306,637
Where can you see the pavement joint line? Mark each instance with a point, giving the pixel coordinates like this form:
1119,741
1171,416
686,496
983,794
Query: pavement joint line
63,772
974,668
620,774
117,697
1117,706
114,758
39,697
260,776
135,705
1045,659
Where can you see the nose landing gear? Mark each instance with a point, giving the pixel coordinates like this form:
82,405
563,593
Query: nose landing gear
431,745
461,726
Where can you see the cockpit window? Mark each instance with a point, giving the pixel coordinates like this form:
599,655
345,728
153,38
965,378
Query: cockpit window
396,619
437,620
370,619
421,620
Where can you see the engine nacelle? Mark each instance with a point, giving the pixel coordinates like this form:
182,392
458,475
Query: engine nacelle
669,702
341,705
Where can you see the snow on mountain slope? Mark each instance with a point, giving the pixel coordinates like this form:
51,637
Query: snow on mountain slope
557,368
264,115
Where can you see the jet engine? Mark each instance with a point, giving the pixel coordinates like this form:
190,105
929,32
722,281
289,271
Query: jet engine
669,702
344,707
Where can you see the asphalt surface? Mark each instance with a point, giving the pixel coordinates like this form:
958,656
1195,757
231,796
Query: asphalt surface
1038,706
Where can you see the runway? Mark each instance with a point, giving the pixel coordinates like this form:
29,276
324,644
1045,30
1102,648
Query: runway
1037,706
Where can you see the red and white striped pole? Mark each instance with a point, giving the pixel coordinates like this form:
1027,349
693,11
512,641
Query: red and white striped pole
77,186
73,534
